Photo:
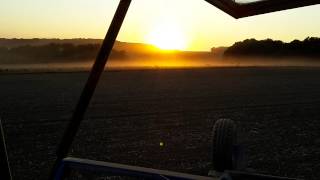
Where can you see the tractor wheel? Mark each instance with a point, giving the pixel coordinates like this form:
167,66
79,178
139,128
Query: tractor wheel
224,140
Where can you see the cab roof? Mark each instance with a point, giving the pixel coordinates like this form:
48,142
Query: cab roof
245,8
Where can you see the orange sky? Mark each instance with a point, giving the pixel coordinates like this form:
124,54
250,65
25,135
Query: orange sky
198,24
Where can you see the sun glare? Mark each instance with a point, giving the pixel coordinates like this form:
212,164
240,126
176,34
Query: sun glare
167,36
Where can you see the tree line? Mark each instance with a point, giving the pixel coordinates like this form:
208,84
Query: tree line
309,47
52,51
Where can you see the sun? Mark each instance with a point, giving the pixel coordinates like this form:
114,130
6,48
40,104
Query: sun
167,36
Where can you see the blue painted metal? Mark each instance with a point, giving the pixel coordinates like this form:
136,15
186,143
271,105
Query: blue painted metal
114,169
60,171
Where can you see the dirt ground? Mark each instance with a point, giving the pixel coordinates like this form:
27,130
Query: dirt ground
277,111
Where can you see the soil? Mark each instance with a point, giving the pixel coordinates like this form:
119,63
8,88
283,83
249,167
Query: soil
163,118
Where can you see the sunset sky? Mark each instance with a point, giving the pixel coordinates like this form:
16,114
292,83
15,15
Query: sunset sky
193,24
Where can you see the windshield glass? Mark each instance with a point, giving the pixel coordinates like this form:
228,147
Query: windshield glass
176,68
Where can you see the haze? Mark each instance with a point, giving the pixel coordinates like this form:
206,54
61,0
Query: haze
202,25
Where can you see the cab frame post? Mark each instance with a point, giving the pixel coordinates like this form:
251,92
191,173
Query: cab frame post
91,84
5,172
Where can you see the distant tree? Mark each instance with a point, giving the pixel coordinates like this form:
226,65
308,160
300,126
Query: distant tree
54,52
310,47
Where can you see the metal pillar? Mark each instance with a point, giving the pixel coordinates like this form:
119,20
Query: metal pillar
5,172
96,71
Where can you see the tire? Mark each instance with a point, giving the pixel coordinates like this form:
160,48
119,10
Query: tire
223,142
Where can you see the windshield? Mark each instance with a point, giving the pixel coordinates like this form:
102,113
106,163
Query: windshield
175,69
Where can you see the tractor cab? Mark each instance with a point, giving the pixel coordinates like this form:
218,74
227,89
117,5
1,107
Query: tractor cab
227,156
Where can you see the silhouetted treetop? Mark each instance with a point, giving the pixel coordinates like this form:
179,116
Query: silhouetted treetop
53,51
310,47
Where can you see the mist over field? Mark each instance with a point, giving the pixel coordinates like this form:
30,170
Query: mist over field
79,54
